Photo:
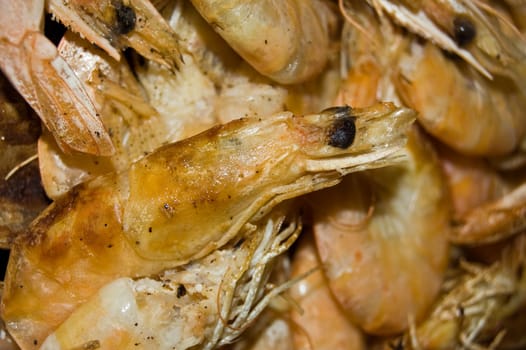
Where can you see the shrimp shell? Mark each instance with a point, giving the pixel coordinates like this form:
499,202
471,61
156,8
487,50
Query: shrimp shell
461,108
183,202
493,221
288,41
322,324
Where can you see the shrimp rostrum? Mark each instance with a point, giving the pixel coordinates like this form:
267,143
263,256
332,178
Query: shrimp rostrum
121,241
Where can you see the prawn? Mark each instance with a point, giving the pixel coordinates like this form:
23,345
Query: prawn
382,238
321,324
144,221
473,30
453,107
34,67
207,303
399,68
288,41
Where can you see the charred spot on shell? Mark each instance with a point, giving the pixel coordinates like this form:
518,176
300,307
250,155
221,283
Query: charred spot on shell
464,31
125,18
343,130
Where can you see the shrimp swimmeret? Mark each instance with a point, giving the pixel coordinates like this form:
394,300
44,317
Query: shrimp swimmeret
122,233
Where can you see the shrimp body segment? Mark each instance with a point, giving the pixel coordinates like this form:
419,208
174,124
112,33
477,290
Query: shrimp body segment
287,41
382,239
48,84
183,202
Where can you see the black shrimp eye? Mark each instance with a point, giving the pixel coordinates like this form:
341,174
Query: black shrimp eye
464,30
125,18
342,132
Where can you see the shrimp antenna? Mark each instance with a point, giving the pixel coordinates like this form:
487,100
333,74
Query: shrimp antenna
20,166
489,9
354,23
220,313
296,325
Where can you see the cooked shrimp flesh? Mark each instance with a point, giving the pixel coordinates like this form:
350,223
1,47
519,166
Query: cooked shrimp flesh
32,63
382,237
149,218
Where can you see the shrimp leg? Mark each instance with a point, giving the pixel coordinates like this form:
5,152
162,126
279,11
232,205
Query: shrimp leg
45,80
476,305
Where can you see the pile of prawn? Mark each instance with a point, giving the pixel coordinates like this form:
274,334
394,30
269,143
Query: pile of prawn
283,174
